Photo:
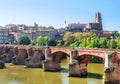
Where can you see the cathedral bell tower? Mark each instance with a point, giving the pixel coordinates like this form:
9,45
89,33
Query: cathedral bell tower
98,19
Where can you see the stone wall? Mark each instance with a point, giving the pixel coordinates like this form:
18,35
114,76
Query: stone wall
51,66
76,70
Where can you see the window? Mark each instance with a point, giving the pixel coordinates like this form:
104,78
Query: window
5,34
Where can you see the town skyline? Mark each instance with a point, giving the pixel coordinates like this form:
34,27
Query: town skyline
54,13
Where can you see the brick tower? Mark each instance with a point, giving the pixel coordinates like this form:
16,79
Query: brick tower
98,19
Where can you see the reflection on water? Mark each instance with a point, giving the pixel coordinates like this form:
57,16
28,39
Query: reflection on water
15,74
96,76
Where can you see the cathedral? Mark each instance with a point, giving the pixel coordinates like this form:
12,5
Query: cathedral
94,27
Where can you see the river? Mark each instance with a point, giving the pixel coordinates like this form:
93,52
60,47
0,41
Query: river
17,74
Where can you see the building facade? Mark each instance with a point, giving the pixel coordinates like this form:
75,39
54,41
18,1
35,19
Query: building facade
4,36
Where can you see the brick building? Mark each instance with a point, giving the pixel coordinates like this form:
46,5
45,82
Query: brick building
94,27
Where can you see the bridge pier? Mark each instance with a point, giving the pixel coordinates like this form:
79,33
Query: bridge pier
2,62
34,59
76,69
19,56
112,75
50,65
112,69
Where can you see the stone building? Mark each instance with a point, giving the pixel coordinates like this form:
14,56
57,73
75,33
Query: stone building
48,31
33,33
107,34
60,33
13,37
12,27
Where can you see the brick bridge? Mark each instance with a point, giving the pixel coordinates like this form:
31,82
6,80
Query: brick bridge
53,56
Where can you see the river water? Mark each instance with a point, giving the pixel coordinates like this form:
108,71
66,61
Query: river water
17,74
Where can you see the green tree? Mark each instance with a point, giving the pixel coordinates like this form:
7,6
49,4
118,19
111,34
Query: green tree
112,44
43,40
93,42
81,35
40,41
83,43
103,42
60,43
24,40
33,42
52,43
68,38
46,40
77,36
88,42
115,34
75,44
118,42
95,59
86,35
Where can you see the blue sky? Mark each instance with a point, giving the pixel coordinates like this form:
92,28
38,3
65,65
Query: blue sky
55,12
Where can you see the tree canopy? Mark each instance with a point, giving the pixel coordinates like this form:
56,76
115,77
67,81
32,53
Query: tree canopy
33,42
24,40
115,34
42,41
68,38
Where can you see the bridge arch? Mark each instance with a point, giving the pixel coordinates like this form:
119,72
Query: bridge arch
91,55
82,57
65,50
85,58
85,55
59,55
97,53
20,54
36,52
40,53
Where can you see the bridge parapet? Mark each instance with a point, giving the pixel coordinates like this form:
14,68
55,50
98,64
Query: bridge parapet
59,47
99,49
